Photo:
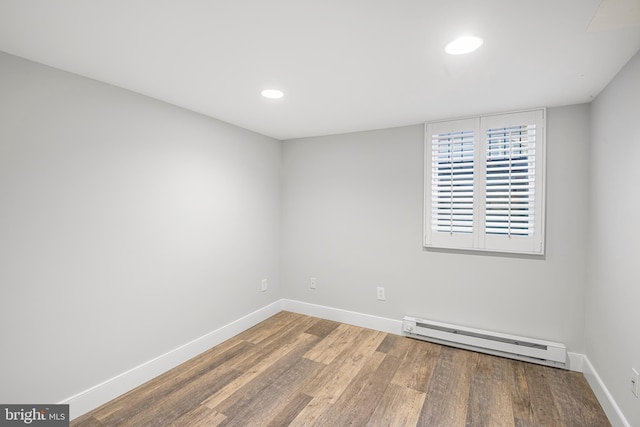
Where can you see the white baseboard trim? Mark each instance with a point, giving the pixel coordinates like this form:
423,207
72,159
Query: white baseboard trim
610,407
87,400
351,317
100,394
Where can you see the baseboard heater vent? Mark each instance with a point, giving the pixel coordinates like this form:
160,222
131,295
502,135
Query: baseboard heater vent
520,348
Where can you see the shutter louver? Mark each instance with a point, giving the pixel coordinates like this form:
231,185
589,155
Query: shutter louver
452,161
510,181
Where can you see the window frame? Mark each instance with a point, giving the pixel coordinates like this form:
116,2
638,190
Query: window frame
479,239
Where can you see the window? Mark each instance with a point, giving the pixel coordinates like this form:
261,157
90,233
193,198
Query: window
484,183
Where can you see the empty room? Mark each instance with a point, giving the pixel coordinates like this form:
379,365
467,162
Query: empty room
383,213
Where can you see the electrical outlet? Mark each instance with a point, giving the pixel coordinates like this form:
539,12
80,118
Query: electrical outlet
380,293
264,285
312,282
634,382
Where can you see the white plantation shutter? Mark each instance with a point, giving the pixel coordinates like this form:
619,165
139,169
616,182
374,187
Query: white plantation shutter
484,185
510,181
452,182
451,156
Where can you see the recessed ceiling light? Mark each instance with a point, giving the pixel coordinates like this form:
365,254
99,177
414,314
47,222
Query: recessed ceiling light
463,45
272,93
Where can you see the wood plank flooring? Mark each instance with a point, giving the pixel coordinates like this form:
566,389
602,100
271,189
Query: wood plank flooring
303,371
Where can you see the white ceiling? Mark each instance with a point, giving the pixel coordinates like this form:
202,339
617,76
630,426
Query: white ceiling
344,65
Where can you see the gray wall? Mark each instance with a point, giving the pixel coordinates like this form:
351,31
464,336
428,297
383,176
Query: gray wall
128,227
353,219
613,295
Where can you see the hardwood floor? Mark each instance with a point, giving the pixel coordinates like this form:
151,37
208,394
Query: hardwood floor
298,370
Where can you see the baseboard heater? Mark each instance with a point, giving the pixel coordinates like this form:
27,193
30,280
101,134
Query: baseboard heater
514,347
